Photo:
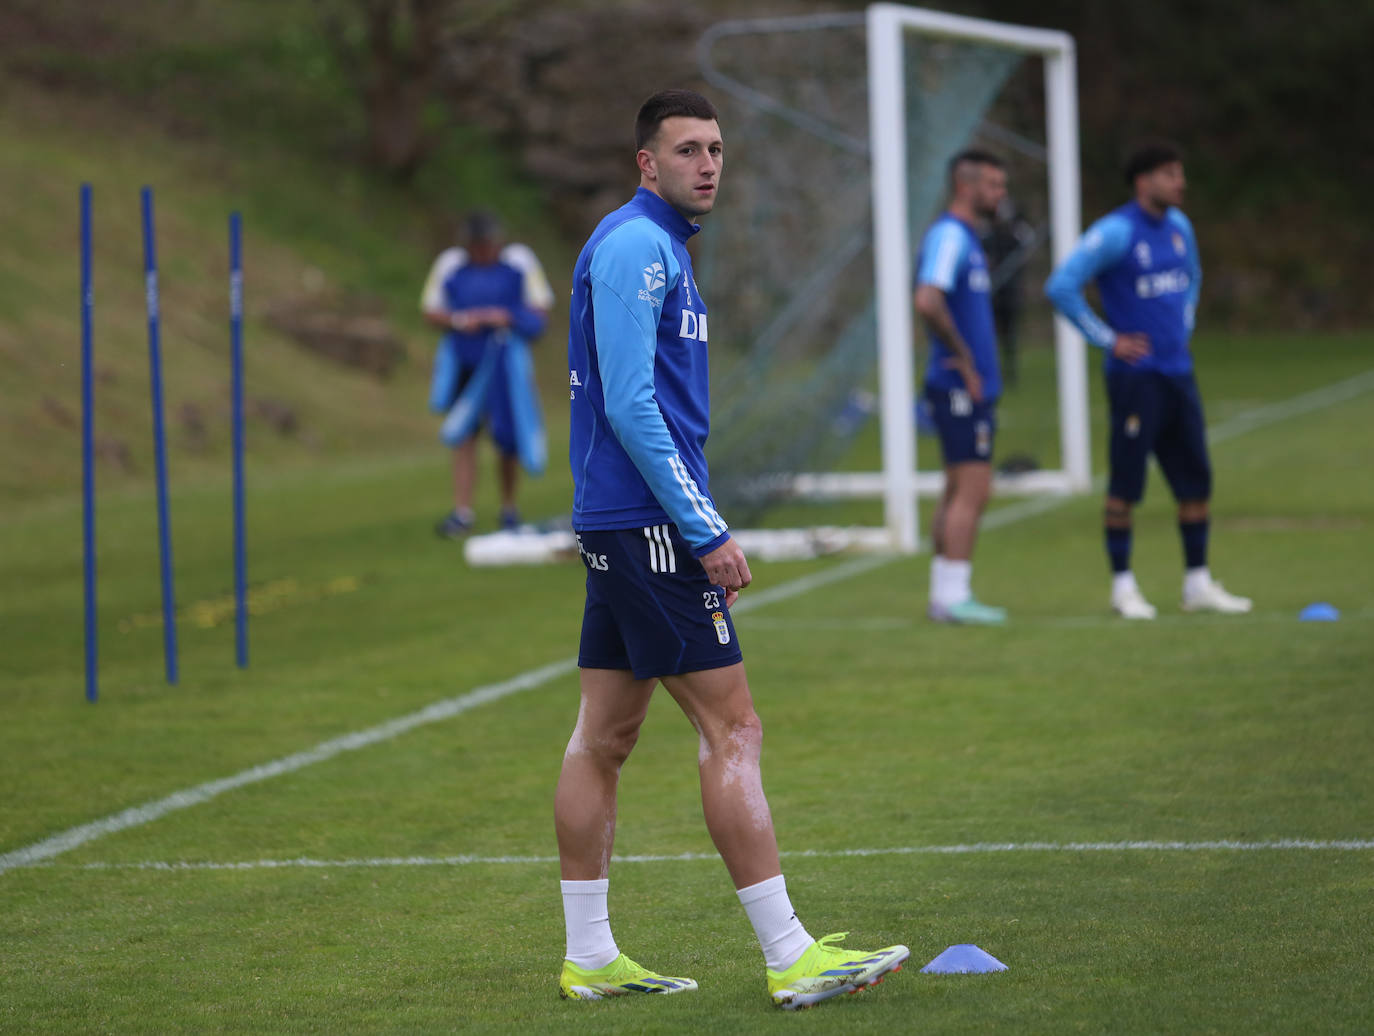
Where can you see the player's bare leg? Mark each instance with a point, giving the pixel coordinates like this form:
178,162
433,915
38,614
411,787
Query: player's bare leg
459,521
972,482
720,707
464,474
967,488
509,474
937,518
608,720
800,971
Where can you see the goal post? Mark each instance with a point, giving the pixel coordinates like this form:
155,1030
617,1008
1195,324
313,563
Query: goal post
893,248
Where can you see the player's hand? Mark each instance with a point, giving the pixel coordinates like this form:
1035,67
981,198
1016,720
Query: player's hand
973,384
1131,346
725,566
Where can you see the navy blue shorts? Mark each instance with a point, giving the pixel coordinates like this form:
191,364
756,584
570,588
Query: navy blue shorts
1160,414
967,429
650,606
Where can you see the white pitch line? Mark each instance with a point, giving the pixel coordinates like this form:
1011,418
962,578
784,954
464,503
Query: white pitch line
150,811
1284,409
138,815
972,849
1104,619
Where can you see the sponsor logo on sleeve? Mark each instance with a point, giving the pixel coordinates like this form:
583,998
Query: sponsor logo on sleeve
655,279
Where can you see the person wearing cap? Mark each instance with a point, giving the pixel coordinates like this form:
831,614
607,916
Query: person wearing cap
483,296
1143,257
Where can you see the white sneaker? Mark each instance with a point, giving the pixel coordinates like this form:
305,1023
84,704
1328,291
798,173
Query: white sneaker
1130,603
1211,596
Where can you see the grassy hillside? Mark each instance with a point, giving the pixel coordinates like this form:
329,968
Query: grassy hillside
315,227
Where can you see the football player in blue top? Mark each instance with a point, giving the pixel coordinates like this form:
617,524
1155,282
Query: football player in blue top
485,297
662,573
1144,259
963,381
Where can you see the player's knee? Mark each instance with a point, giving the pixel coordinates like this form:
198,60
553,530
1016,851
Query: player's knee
750,727
746,735
737,735
1194,510
608,746
617,745
1117,514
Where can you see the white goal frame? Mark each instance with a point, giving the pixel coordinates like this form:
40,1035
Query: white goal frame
900,479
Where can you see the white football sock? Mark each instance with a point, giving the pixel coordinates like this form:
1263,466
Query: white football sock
587,923
781,935
1195,579
937,576
958,582
1123,583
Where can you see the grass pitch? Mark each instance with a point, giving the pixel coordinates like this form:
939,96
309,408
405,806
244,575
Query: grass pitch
1140,820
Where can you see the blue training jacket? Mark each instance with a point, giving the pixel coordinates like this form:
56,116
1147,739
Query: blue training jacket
493,284
952,260
1149,277
639,378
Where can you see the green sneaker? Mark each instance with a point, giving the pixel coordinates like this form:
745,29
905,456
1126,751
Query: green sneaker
620,977
968,613
825,970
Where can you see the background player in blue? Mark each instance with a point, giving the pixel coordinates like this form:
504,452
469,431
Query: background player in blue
662,572
1144,259
962,377
477,294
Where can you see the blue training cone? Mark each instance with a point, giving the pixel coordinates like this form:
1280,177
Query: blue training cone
963,959
1319,611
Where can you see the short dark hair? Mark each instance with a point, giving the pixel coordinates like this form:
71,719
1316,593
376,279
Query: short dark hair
667,104
482,225
972,156
1147,157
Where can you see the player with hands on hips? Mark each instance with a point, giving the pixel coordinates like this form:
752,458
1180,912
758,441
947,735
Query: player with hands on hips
1144,260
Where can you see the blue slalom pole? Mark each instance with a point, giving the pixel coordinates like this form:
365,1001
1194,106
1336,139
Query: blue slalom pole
87,448
164,518
236,408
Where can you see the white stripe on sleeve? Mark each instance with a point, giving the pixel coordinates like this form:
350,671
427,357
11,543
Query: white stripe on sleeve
946,263
715,524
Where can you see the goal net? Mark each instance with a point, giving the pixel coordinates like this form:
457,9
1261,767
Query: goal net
838,129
